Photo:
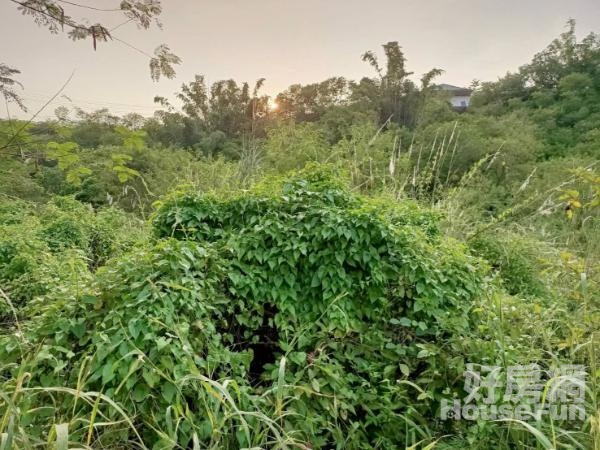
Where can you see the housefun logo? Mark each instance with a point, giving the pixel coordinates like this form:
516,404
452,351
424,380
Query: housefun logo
522,392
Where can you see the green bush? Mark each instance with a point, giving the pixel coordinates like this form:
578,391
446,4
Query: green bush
516,259
45,247
313,302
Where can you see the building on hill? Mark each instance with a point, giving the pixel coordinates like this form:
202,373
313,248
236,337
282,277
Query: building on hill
459,96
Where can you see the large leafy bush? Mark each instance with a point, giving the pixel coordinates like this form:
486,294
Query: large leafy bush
313,302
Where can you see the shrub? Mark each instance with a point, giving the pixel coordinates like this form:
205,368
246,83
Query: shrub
310,300
353,293
45,248
516,259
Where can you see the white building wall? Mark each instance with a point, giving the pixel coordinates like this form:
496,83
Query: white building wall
460,101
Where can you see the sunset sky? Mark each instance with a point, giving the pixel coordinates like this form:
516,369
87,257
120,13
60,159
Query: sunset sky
284,41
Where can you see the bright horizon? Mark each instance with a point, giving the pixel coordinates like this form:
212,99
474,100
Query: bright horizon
285,42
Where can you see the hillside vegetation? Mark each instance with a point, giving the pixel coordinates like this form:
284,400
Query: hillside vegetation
317,272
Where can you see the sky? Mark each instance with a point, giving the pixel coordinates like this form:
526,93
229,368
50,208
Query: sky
285,41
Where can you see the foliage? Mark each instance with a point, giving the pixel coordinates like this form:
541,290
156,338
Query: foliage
517,261
68,161
45,249
310,102
8,83
290,146
559,89
51,14
345,278
330,307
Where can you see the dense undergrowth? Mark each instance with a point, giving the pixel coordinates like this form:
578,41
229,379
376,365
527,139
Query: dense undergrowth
317,279
293,315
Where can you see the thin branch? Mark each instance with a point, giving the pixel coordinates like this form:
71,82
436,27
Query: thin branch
79,27
61,20
160,63
132,47
90,7
74,25
120,25
26,124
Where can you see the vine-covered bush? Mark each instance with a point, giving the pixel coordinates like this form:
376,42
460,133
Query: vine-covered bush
29,264
50,247
316,307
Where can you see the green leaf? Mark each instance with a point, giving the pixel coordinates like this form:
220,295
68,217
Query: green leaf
140,392
108,372
168,391
315,385
404,369
78,329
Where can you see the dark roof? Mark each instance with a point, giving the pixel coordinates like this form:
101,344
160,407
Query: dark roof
454,90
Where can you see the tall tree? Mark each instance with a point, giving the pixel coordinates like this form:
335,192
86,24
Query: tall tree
224,106
311,101
392,93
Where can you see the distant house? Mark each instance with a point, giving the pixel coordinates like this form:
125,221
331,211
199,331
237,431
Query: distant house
459,96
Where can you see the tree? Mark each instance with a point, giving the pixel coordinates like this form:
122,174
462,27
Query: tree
311,101
559,89
497,95
134,121
95,128
556,60
172,129
62,114
233,109
8,83
51,15
224,106
194,97
395,96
